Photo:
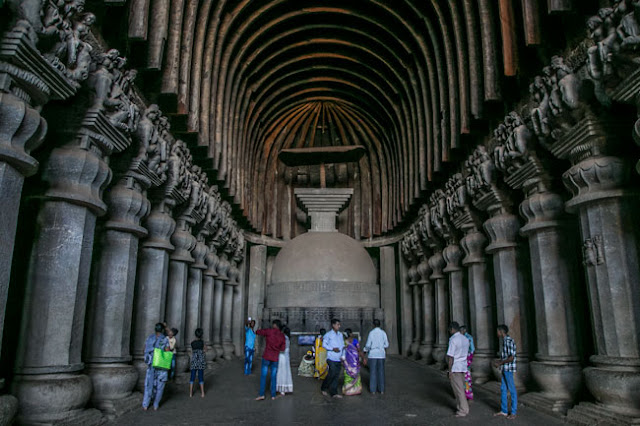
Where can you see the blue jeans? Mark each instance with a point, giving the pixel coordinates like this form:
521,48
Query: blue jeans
508,384
263,376
200,376
376,381
248,359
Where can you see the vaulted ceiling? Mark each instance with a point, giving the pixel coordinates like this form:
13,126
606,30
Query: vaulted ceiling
404,78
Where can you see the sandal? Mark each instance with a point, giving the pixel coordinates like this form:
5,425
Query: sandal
260,398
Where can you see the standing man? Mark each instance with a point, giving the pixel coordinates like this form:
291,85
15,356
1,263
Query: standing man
457,360
377,342
249,344
274,344
333,342
507,364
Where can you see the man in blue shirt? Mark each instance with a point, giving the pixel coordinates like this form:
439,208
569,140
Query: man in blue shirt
377,342
249,345
333,342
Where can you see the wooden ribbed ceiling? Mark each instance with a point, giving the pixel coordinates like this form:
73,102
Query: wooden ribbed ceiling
404,78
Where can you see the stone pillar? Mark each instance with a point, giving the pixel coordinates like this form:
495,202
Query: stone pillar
151,286
257,281
49,353
481,305
179,263
406,311
416,297
227,307
208,284
236,276
217,316
388,296
24,87
608,222
111,301
556,370
502,228
458,295
194,291
424,271
436,262
428,316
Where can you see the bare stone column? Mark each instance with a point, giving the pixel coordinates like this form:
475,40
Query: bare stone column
428,340
208,284
194,290
236,277
50,345
217,316
425,350
227,307
111,301
151,286
481,305
388,295
417,319
257,281
442,308
405,302
179,263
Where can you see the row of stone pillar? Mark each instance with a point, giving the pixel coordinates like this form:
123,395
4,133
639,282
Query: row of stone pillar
166,250
503,276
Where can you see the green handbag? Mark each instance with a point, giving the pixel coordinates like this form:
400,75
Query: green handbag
162,359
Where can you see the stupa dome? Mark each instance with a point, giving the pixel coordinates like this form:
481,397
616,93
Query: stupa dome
323,269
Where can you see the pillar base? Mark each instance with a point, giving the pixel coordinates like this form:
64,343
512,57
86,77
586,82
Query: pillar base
615,387
8,409
211,354
182,362
112,384
219,351
558,381
541,402
481,367
439,356
141,368
228,350
415,347
522,376
55,398
426,353
588,413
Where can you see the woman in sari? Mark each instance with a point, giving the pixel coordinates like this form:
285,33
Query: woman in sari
321,357
468,390
351,361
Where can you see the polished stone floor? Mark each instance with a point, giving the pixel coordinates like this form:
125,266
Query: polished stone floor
415,395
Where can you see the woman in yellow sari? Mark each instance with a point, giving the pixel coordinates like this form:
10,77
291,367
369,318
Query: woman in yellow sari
321,357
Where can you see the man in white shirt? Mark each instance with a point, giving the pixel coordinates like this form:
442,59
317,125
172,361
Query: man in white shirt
377,342
457,360
333,342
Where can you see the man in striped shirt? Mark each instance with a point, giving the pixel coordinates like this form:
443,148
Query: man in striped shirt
507,364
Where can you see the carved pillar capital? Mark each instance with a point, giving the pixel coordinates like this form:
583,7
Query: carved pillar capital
223,267
183,241
541,210
473,244
595,178
211,260
199,252
424,270
452,256
502,230
127,205
437,263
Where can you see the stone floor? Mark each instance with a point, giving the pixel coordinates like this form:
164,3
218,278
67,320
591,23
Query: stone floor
415,394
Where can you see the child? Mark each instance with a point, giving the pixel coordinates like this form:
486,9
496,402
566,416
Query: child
198,362
171,334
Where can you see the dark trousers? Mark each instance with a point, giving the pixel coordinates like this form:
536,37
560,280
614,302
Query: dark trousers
376,381
331,382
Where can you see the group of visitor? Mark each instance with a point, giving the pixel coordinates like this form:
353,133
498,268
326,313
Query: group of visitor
332,351
164,339
459,359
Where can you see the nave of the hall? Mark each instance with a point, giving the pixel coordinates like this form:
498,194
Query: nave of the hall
418,162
